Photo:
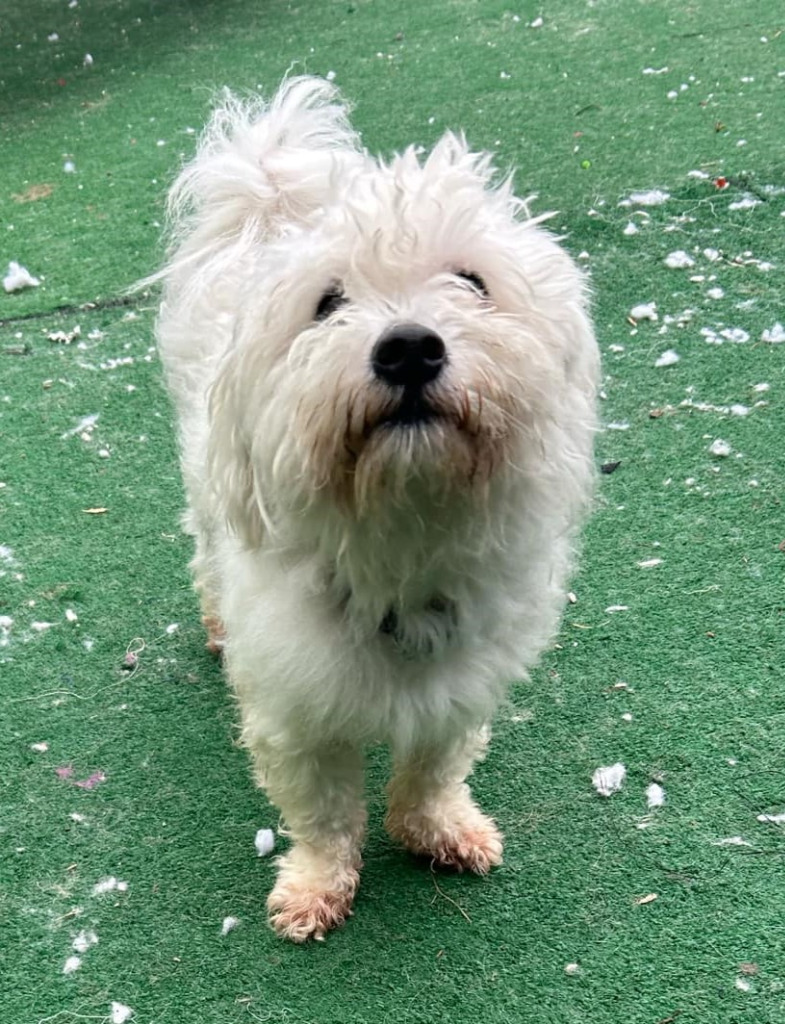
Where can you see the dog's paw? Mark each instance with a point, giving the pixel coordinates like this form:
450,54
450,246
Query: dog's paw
308,900
302,914
471,842
216,634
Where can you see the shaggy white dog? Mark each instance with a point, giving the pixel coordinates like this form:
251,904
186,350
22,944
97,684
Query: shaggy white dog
384,376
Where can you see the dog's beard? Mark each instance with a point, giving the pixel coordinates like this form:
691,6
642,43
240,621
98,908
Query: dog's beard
378,446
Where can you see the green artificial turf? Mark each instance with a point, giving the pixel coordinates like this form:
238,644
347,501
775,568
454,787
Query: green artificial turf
694,656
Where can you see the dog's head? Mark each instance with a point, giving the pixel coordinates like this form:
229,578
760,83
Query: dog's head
409,338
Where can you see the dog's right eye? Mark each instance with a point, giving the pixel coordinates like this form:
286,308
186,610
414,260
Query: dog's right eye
332,300
475,281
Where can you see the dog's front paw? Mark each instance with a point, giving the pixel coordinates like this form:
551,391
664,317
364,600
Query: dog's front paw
216,634
469,842
309,900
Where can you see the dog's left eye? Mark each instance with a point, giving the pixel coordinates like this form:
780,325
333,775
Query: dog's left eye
474,280
332,300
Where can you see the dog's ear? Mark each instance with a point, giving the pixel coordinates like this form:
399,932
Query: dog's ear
262,166
235,488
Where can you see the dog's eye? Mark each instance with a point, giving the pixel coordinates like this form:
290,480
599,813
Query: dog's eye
332,300
474,280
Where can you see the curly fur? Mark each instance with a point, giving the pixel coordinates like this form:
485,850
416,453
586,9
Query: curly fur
370,581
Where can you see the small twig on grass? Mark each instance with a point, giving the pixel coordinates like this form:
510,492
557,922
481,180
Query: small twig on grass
118,302
449,899
73,1015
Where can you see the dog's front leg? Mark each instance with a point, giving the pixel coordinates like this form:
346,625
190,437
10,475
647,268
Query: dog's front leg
431,810
320,795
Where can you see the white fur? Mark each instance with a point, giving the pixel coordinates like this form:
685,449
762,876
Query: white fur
314,522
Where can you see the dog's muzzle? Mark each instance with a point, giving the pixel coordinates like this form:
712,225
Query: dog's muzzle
409,356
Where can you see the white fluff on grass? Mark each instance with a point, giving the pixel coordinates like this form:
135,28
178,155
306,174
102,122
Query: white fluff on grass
18,277
609,779
83,941
229,924
645,311
655,795
669,358
264,841
109,885
652,197
720,448
679,260
121,1013
774,335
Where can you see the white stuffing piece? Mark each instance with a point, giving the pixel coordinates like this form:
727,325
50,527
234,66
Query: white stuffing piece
772,819
109,885
720,448
735,334
229,924
264,842
121,1013
655,795
651,197
84,940
669,358
774,335
745,203
731,841
679,260
18,277
85,425
645,311
73,963
609,779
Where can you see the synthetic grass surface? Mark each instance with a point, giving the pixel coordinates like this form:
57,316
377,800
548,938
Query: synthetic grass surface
580,105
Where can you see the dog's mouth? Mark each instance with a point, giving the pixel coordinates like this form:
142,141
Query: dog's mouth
413,410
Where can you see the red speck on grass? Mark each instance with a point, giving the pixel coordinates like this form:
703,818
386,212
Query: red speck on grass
66,772
721,182
95,779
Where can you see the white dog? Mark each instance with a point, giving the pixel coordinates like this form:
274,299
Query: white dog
384,376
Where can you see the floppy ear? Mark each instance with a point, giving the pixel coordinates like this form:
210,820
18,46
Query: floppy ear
234,483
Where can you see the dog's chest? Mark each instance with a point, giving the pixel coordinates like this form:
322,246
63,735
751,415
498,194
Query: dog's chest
421,633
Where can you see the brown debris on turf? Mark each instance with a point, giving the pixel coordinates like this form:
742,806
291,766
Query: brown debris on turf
33,193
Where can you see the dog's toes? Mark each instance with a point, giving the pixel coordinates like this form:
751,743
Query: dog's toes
470,843
216,634
302,914
477,848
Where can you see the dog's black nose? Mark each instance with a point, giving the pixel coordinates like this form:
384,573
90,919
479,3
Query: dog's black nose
408,354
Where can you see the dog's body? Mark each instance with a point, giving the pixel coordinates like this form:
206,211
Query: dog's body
385,389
